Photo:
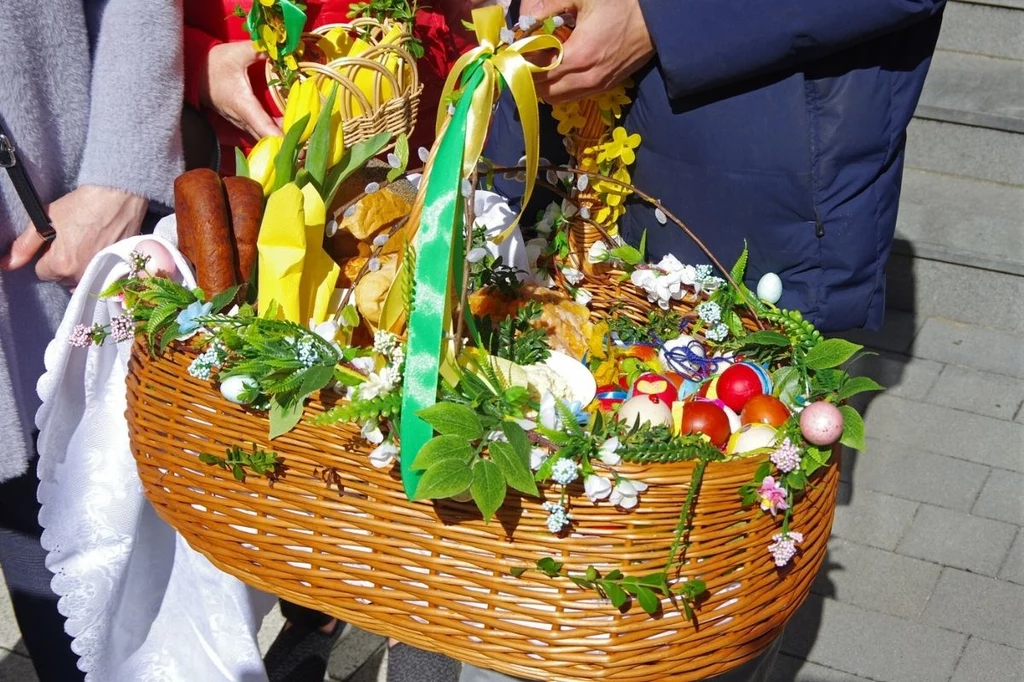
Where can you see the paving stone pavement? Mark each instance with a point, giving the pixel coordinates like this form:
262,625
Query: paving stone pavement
924,581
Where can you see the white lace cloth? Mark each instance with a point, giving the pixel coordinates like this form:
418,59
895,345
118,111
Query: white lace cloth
140,603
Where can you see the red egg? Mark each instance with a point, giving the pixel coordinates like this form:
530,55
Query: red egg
657,386
610,396
738,384
821,423
764,409
708,419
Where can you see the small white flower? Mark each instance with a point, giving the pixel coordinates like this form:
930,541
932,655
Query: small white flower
372,187
326,330
625,493
572,276
566,177
476,255
526,424
384,455
597,488
537,458
497,436
378,384
565,471
609,452
384,341
394,161
364,364
423,153
598,252
660,216
583,297
548,412
371,432
568,209
332,228
380,240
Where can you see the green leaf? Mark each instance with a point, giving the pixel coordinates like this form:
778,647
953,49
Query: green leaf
441,448
592,574
831,353
787,384
241,164
649,601
853,428
627,254
353,159
238,472
763,470
284,162
223,299
319,150
766,338
207,458
549,566
740,268
656,581
453,419
615,593
350,316
858,385
488,487
446,478
402,152
283,418
514,466
518,571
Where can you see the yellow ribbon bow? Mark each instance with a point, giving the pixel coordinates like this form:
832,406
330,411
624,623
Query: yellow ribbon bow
495,57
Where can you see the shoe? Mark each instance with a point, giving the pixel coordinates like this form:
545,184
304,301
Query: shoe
300,654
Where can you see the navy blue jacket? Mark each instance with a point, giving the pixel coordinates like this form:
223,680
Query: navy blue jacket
782,123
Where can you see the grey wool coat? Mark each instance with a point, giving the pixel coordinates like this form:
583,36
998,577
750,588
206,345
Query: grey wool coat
91,93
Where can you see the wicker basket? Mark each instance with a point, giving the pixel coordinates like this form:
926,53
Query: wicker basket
362,116
337,535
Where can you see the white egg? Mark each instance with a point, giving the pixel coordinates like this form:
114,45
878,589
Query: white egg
734,419
751,437
769,288
678,364
234,387
645,410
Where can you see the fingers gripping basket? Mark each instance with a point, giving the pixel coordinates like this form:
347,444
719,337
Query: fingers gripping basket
338,535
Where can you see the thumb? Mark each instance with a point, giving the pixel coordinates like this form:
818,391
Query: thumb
24,248
244,53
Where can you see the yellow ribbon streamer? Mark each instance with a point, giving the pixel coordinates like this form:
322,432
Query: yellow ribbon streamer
508,61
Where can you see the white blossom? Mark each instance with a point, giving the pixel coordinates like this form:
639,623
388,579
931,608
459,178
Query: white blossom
625,493
363,364
549,418
597,488
384,455
537,458
609,452
371,432
583,297
572,276
598,252
476,255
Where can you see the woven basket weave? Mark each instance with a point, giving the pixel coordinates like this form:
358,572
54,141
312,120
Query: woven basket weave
337,535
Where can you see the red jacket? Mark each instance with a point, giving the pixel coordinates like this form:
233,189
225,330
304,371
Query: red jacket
210,22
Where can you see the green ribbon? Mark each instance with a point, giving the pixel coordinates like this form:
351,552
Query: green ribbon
434,244
294,23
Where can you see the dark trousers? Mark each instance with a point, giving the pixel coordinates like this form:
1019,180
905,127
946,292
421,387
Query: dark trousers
28,580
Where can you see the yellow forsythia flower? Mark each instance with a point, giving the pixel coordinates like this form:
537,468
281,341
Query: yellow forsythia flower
261,162
303,98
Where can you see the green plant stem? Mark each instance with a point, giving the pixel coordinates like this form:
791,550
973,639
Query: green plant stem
685,525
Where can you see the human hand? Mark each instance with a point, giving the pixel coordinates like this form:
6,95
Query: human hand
87,220
224,87
609,44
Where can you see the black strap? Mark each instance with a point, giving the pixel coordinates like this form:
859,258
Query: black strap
23,186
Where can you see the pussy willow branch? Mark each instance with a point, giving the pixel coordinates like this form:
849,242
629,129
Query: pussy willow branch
470,220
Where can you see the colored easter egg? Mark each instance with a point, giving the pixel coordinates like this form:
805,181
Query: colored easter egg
738,384
675,354
234,389
766,378
159,261
688,388
821,423
645,409
751,437
709,389
734,419
655,385
765,409
707,418
610,396
769,288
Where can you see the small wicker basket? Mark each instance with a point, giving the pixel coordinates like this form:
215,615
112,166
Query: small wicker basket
337,535
393,104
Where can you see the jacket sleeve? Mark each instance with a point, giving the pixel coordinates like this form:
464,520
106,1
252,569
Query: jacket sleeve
198,44
134,139
703,44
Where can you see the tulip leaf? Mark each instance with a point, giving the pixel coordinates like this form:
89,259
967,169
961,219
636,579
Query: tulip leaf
354,158
320,142
241,164
284,162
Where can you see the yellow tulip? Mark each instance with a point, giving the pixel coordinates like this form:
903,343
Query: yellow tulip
337,133
261,162
366,78
303,98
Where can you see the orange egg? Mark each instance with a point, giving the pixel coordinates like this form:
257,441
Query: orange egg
764,409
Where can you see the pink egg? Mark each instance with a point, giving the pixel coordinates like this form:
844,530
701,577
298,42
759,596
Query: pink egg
821,423
160,263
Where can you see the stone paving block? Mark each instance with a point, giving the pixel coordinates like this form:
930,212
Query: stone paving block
356,649
958,434
980,606
16,668
876,579
952,538
790,669
983,660
913,474
10,635
971,345
374,669
871,518
1020,414
272,624
871,644
902,375
972,390
1013,567
1002,498
896,335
